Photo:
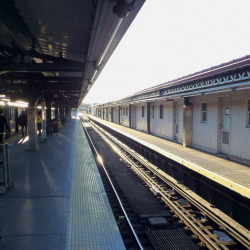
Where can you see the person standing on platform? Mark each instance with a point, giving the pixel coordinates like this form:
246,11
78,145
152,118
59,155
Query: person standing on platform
3,125
39,122
22,121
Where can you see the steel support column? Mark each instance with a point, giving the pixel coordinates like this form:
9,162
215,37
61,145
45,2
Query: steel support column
43,114
148,117
7,116
56,113
48,114
130,115
187,122
112,114
119,115
32,127
16,120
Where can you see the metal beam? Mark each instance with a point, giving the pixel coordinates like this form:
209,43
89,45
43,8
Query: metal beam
65,86
40,77
12,21
42,67
34,54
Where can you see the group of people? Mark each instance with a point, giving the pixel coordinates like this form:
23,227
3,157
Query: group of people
3,125
22,121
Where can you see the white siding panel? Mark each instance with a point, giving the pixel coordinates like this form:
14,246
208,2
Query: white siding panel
240,135
109,114
205,134
133,116
105,114
125,116
116,115
141,122
162,127
180,117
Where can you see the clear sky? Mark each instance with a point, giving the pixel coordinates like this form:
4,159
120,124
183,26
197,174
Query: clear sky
171,39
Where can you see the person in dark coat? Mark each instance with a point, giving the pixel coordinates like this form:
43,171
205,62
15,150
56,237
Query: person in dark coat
39,121
22,121
3,125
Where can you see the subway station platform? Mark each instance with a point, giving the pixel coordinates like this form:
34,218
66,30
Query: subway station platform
57,201
230,174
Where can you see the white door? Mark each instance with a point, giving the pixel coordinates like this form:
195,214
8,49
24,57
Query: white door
176,121
225,125
133,116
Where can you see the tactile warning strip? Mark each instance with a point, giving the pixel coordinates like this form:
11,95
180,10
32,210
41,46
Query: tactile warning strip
91,224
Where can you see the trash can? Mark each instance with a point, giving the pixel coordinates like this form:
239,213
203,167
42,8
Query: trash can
5,174
55,126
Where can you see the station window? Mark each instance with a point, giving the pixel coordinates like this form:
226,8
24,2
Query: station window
161,111
203,112
248,112
126,111
123,111
153,112
142,111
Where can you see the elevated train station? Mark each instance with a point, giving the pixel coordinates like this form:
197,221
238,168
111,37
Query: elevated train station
208,110
200,121
51,54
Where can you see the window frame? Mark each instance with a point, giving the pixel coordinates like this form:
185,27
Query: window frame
161,111
142,111
204,112
248,113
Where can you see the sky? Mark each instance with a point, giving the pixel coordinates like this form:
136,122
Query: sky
171,39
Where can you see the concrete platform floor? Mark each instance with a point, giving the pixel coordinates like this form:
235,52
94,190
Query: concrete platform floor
34,214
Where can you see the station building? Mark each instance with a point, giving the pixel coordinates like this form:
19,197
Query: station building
208,110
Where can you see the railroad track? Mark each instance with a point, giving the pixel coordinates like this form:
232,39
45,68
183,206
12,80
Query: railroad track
207,224
116,199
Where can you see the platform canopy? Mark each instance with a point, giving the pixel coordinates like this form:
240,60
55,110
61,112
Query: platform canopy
56,49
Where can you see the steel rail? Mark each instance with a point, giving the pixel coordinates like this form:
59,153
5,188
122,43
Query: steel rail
224,224
237,231
229,225
197,230
240,237
113,187
203,237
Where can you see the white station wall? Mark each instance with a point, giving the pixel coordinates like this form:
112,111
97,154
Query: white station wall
205,134
141,122
125,115
133,116
162,127
178,123
240,129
